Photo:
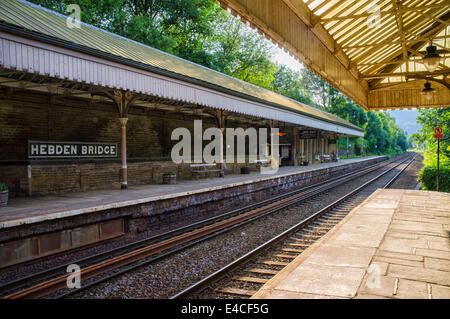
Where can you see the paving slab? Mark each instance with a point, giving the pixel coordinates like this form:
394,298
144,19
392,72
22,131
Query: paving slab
396,244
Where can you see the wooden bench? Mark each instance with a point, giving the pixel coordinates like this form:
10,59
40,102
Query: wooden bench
303,160
262,162
197,169
325,158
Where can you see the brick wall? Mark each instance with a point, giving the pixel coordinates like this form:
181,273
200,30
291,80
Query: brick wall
31,116
26,116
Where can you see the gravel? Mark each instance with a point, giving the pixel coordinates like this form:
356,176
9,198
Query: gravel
166,277
408,179
170,275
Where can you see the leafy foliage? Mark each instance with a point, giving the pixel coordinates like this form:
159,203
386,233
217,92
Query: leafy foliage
424,139
382,134
201,32
290,83
428,174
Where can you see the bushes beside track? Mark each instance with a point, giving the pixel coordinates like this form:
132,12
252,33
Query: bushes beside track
428,176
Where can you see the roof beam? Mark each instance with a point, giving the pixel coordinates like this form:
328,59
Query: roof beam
387,12
433,30
406,74
397,7
383,43
443,82
408,94
429,16
291,24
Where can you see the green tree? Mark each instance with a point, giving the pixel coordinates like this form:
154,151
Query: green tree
201,32
347,109
178,27
240,52
290,83
429,119
323,94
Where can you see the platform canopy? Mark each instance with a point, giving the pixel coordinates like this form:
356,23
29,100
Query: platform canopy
371,50
37,45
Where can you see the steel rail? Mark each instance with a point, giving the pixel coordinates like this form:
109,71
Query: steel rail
54,271
183,239
241,260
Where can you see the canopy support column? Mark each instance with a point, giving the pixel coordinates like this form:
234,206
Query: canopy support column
221,117
124,168
123,103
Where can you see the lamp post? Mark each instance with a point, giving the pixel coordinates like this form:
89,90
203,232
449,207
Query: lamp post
437,177
438,134
347,138
347,146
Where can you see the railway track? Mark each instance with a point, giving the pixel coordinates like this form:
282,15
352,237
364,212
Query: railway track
243,277
104,266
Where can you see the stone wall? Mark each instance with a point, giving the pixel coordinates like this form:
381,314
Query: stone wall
155,213
155,216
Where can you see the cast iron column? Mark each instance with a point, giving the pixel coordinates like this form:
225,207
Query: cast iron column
123,122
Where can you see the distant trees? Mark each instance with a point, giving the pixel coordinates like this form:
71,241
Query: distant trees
201,32
239,51
290,83
382,134
323,94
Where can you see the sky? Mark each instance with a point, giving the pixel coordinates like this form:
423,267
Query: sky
406,119
281,57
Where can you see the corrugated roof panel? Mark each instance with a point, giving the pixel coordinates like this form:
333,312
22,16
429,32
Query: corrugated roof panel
34,18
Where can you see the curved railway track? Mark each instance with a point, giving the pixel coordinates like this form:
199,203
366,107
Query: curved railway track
243,277
109,264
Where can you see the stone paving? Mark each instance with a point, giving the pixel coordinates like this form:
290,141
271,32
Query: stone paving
37,209
394,245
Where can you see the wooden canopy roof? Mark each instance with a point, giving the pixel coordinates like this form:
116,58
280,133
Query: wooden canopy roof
371,50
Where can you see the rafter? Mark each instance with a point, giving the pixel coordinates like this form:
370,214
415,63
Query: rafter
434,29
391,48
443,82
406,74
397,7
382,13
387,42
434,18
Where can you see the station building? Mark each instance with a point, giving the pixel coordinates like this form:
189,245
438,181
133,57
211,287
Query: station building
85,109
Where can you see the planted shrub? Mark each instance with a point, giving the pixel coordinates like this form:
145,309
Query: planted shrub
3,187
428,176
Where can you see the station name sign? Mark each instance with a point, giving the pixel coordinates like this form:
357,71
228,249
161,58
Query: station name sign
42,149
308,134
332,141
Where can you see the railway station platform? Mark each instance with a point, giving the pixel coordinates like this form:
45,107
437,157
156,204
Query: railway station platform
26,210
32,227
396,244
